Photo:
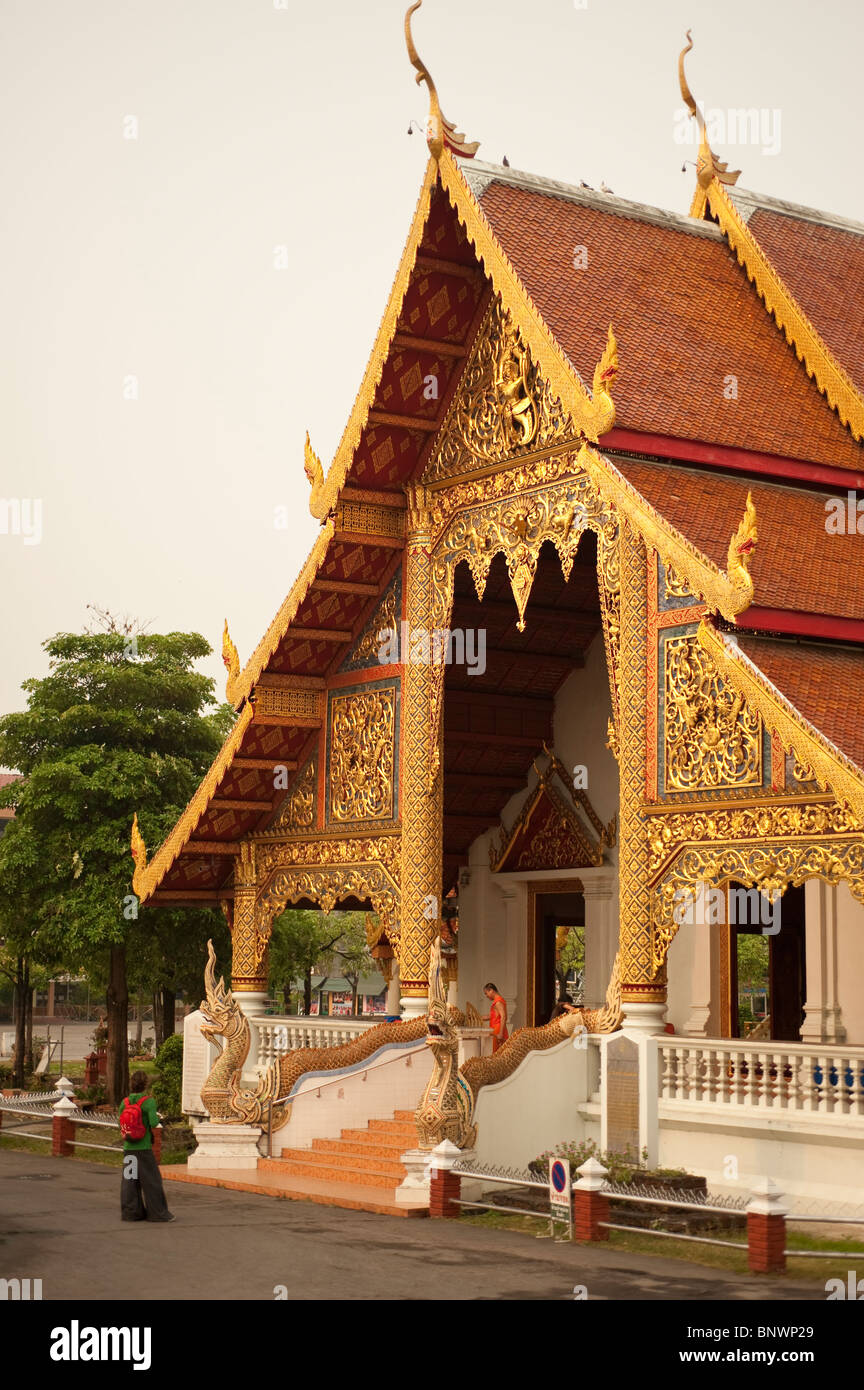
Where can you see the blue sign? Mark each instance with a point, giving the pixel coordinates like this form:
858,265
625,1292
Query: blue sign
559,1177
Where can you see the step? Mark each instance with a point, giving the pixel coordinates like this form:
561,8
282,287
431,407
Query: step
362,1177
356,1162
395,1127
349,1196
373,1149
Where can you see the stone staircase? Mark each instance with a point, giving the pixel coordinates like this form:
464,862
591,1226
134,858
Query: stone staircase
360,1171
369,1157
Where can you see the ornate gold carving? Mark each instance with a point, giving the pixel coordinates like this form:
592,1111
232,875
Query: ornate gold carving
712,739
832,380
232,663
502,407
298,808
708,166
385,619
674,586
753,865
362,725
727,594
830,767
328,870
562,841
224,1099
667,833
446,1109
139,854
173,845
312,467
635,963
250,934
439,131
421,792
738,555
370,520
289,701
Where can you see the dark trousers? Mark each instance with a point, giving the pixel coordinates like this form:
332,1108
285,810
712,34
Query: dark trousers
142,1197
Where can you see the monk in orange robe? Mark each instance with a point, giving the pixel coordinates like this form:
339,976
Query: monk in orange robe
497,1016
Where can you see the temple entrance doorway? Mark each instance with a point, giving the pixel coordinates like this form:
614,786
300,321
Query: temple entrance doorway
556,955
767,975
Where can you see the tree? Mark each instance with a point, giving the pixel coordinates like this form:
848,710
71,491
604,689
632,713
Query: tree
122,723
303,939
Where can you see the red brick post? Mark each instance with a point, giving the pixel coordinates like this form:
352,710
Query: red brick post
445,1186
590,1203
766,1229
63,1128
157,1144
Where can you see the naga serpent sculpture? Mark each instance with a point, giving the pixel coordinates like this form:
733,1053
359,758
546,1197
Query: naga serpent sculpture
446,1110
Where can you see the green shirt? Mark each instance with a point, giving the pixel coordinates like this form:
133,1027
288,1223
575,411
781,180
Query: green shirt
151,1120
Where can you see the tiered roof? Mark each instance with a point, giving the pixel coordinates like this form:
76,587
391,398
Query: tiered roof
746,288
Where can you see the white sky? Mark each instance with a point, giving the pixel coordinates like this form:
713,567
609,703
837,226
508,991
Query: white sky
262,127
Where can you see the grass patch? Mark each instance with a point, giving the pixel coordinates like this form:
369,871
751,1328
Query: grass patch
809,1271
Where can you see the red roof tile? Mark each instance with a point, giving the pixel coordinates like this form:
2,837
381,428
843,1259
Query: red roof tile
825,684
796,564
823,266
686,318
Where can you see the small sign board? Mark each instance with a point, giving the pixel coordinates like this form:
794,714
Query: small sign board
559,1189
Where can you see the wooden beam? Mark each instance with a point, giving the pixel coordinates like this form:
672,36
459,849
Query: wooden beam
494,699
492,740
498,608
262,764
492,819
445,267
211,846
320,634
228,803
275,681
405,422
177,895
288,721
404,342
342,586
361,538
470,780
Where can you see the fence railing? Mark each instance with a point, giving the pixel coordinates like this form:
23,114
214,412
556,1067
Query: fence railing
66,1119
797,1077
279,1035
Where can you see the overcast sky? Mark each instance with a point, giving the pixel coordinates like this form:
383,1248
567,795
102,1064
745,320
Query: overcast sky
149,264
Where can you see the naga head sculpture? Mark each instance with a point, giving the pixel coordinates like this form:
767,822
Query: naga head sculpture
221,1012
440,1028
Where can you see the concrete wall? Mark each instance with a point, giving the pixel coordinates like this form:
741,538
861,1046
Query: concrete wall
536,1108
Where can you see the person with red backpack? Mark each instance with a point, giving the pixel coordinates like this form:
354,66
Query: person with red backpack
142,1197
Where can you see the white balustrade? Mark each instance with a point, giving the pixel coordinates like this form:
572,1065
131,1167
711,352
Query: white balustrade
785,1077
279,1035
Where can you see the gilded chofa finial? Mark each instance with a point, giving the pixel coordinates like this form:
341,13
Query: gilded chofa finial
738,557
139,854
231,659
439,131
708,166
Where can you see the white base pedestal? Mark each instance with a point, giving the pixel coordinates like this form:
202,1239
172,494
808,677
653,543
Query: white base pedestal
412,1007
413,1191
224,1146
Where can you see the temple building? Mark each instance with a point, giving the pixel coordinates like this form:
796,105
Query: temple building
573,656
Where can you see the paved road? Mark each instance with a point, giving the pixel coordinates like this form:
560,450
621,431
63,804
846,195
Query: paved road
59,1221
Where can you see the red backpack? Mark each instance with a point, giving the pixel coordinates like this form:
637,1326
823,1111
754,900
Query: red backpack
132,1125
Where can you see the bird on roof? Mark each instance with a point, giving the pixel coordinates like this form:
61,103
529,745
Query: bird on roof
583,184
604,188
506,162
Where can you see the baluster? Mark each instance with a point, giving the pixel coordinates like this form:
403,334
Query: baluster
824,1085
707,1075
666,1075
855,1090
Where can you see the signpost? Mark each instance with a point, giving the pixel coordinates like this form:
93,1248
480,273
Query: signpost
560,1204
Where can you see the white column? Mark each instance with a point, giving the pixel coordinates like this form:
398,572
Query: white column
600,937
503,946
700,1022
822,1014
391,1003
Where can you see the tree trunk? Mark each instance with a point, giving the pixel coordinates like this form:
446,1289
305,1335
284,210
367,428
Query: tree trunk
307,992
20,1016
157,1018
139,1022
167,1018
28,1015
117,998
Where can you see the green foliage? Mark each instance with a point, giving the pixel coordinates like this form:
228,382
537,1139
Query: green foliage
302,941
753,957
120,724
619,1166
167,1091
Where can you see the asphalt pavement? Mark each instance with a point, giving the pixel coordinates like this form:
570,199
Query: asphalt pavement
60,1222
